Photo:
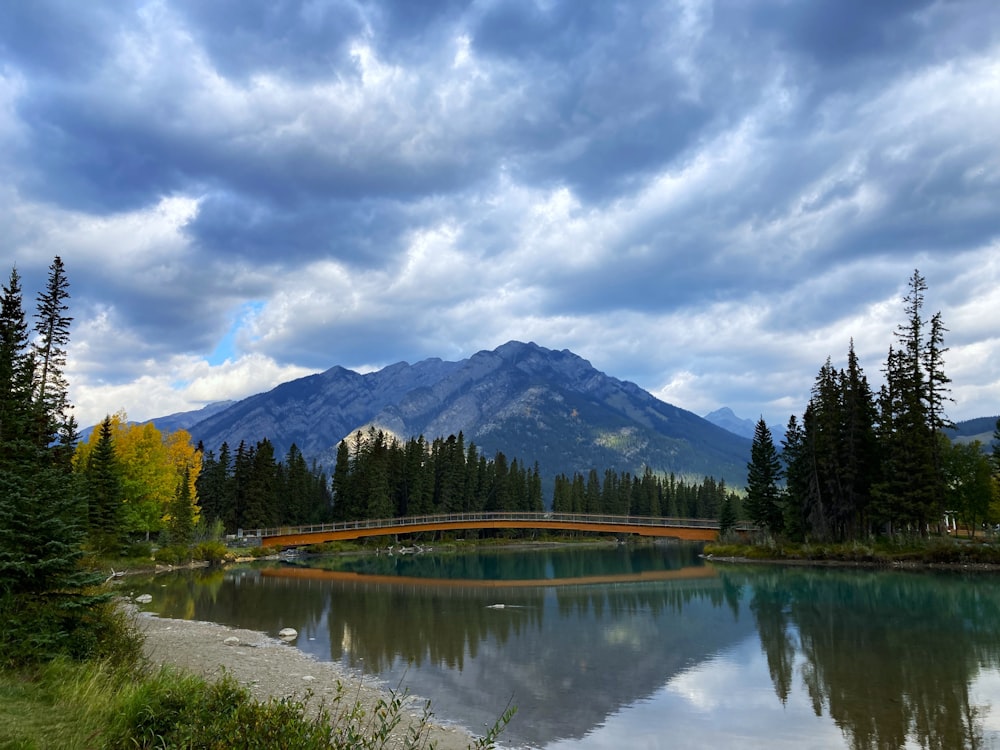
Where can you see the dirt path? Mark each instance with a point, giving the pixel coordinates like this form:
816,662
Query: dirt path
270,668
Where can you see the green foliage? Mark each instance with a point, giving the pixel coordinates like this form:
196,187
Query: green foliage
763,501
856,465
881,552
176,554
50,400
212,552
112,705
102,476
252,489
180,523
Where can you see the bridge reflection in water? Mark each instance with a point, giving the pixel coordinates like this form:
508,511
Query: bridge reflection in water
688,529
318,574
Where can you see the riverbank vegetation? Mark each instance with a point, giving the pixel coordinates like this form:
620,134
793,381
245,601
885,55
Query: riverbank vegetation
72,674
859,467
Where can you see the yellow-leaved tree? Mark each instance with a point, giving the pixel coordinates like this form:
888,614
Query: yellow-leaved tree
153,466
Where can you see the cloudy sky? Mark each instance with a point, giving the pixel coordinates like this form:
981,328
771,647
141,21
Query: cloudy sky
706,198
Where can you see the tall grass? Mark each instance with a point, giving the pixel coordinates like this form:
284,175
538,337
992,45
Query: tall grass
115,700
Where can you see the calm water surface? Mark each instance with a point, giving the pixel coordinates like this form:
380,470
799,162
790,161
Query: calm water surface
644,647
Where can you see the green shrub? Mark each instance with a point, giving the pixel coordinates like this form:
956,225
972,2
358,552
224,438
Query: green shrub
212,552
138,550
173,555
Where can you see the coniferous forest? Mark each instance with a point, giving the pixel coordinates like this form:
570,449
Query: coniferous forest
860,463
377,476
46,596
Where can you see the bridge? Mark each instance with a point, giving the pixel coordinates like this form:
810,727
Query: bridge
691,529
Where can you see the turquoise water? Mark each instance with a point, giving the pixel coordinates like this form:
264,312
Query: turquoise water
644,647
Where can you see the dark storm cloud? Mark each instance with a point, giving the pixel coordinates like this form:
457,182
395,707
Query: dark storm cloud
242,38
358,232
53,39
361,181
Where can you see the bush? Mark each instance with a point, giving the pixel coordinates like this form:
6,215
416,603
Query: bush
138,550
212,552
173,555
37,630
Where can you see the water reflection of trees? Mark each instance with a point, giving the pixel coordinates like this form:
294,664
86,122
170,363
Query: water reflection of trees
513,564
888,657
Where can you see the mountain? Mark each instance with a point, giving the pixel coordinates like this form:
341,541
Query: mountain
184,420
727,420
172,422
532,403
980,429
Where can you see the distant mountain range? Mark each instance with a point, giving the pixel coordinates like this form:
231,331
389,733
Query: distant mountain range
727,420
532,403
980,429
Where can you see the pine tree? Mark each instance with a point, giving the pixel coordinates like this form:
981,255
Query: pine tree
762,503
180,524
51,400
104,493
859,448
911,492
16,373
727,517
996,449
46,596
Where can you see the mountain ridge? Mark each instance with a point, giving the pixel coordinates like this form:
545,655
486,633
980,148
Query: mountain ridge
531,403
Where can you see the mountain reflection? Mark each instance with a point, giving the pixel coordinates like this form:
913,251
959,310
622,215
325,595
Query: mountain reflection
888,658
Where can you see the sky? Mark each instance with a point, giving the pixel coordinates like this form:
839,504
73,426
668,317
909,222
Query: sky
708,199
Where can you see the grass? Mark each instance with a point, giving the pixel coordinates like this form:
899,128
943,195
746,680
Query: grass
881,551
115,700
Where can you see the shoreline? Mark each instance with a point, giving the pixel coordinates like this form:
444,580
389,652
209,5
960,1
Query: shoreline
271,668
901,565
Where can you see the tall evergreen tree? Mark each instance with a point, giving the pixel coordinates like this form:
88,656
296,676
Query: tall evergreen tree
996,449
859,448
16,375
104,493
46,597
180,525
763,496
912,488
797,469
51,400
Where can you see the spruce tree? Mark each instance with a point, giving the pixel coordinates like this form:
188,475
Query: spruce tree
911,492
104,493
16,374
180,525
762,504
51,400
996,449
727,517
46,597
797,469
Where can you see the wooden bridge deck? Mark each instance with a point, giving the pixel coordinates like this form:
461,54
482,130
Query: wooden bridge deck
692,529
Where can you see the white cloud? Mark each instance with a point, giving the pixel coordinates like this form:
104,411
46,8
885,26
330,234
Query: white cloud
180,383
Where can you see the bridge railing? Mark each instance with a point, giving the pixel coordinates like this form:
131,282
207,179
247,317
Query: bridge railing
487,517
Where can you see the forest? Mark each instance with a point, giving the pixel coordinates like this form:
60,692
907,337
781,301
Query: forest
859,464
378,476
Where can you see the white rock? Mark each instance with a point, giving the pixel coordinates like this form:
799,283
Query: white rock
232,641
288,634
144,598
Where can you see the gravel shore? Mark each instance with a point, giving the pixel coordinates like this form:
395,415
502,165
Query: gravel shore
271,668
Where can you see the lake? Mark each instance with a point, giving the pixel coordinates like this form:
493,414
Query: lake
638,646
